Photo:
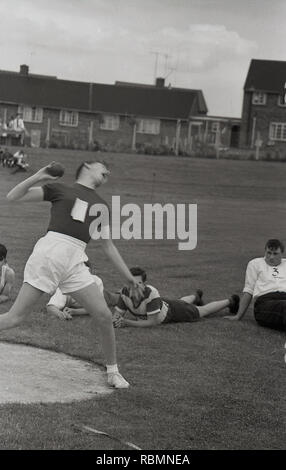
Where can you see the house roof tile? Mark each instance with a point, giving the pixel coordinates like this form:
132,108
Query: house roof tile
266,75
174,103
149,101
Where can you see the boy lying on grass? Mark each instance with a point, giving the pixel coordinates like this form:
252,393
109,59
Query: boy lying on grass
150,309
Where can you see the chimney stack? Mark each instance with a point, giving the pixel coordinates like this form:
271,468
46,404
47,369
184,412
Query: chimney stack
160,82
24,69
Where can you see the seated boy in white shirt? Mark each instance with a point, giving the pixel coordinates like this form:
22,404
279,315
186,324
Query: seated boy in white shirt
265,282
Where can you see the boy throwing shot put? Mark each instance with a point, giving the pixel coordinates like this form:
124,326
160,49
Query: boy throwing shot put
58,258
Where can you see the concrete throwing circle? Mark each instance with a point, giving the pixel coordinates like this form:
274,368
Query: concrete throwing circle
32,375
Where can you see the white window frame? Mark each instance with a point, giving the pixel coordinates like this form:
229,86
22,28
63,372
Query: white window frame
148,126
281,102
31,113
110,122
259,98
277,131
68,118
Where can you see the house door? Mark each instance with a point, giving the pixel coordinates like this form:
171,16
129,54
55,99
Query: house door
35,138
234,137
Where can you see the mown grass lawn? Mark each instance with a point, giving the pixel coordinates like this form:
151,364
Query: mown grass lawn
207,385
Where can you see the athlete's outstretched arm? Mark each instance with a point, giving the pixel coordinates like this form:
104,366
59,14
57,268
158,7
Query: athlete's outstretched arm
243,306
26,190
152,320
54,310
113,254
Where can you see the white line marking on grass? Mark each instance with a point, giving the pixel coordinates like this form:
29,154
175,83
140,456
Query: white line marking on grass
32,375
83,427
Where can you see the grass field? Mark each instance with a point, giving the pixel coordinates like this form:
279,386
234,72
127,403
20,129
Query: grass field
213,384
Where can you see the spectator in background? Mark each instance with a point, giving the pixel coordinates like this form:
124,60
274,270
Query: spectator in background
2,125
3,128
11,123
18,123
20,161
7,158
7,276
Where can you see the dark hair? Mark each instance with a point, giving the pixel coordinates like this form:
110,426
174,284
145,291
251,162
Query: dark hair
83,164
136,271
274,244
3,252
79,169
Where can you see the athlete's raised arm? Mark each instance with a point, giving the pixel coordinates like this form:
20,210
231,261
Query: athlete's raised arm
28,190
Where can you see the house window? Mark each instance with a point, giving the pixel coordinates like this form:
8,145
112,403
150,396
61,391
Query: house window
68,118
110,122
277,131
148,126
281,100
31,113
259,98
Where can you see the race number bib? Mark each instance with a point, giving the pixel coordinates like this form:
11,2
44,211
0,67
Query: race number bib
79,210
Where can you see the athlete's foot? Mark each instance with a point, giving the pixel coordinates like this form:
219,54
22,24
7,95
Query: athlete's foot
116,380
199,298
234,303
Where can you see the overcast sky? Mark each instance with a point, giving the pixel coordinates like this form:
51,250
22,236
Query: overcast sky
201,44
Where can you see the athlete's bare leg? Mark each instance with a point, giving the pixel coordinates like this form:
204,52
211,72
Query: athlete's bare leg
91,299
213,307
189,298
94,303
22,307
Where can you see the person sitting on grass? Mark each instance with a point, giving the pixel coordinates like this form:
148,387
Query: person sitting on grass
7,158
265,281
7,276
65,307
150,309
20,161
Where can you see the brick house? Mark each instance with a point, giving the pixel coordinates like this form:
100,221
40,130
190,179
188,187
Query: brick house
64,113
214,132
263,120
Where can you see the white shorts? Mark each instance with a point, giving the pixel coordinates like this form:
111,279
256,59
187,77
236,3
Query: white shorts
60,300
58,261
